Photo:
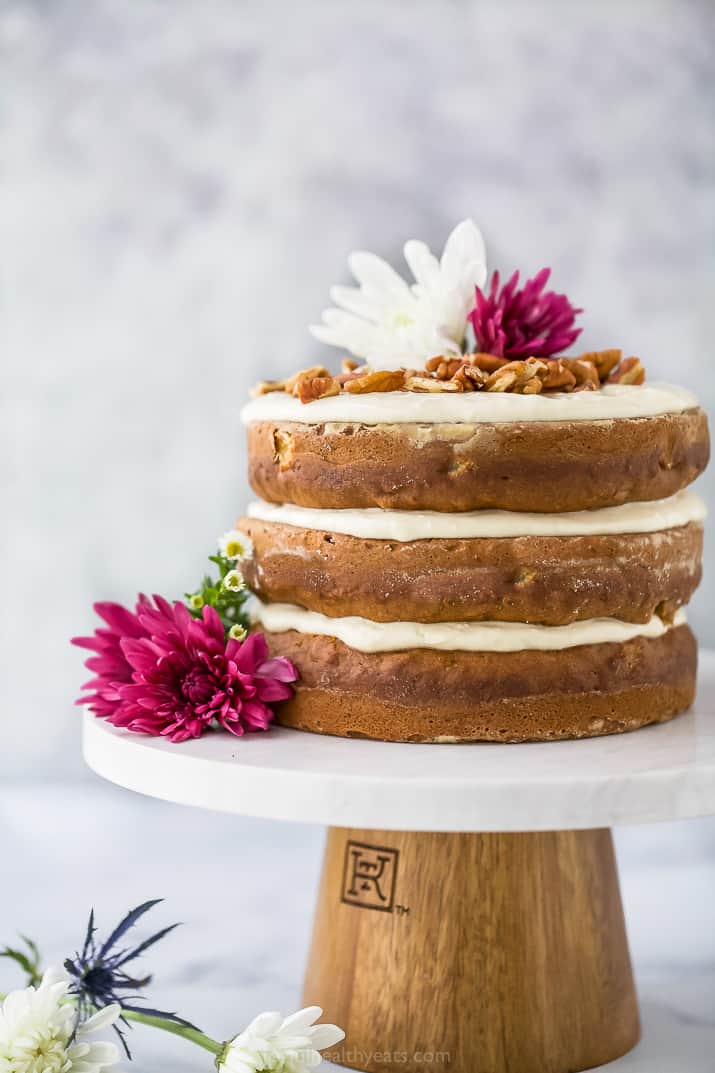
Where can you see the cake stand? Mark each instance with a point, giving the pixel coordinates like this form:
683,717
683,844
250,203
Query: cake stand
469,913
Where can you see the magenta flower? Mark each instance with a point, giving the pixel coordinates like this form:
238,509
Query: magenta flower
160,671
523,323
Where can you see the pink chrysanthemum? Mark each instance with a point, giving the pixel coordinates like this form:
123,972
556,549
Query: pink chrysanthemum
523,323
161,672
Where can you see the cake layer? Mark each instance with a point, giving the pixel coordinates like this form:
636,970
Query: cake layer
538,466
422,695
551,580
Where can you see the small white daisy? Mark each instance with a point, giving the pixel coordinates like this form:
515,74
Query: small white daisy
235,545
234,581
238,632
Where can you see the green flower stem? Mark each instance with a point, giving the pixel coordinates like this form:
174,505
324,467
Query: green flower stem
191,1034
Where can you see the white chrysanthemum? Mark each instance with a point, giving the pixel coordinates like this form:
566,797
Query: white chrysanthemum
271,1044
235,545
36,1027
389,322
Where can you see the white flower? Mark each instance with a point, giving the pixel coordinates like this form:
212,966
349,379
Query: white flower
238,632
273,1045
36,1027
390,322
235,545
234,581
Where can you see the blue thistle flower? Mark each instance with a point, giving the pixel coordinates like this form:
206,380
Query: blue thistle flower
100,978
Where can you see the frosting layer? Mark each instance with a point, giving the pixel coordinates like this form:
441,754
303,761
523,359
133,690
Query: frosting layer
372,523
407,407
366,636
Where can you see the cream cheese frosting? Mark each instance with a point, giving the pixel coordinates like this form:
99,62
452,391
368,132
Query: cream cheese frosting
404,525
406,407
365,635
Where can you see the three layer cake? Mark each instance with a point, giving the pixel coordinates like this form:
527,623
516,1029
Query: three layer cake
482,550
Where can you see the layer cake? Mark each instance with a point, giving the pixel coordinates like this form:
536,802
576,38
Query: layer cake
475,547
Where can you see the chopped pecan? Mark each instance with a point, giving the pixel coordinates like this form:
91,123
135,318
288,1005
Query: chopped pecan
266,386
583,369
517,375
530,387
488,363
380,380
289,385
558,377
295,380
345,378
428,383
444,368
477,377
604,360
629,371
316,387
501,381
471,379
434,363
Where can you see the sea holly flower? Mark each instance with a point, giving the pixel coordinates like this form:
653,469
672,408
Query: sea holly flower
272,1044
235,545
98,972
523,323
389,322
160,671
40,1033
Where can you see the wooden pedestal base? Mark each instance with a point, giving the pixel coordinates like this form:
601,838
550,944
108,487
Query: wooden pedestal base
479,953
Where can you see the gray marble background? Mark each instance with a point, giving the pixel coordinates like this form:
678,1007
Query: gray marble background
181,183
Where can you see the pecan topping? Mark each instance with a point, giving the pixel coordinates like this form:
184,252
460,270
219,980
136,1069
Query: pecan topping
380,380
291,383
584,371
316,387
629,371
522,377
604,360
488,363
428,383
558,377
466,372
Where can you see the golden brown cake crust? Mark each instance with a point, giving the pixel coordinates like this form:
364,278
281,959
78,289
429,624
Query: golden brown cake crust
425,695
547,580
523,466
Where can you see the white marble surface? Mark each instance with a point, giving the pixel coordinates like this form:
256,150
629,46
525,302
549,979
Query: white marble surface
244,889
664,772
183,181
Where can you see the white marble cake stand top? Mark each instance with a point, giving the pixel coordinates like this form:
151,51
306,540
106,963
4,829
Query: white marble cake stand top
659,773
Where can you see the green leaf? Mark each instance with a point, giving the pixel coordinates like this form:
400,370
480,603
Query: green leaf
29,963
